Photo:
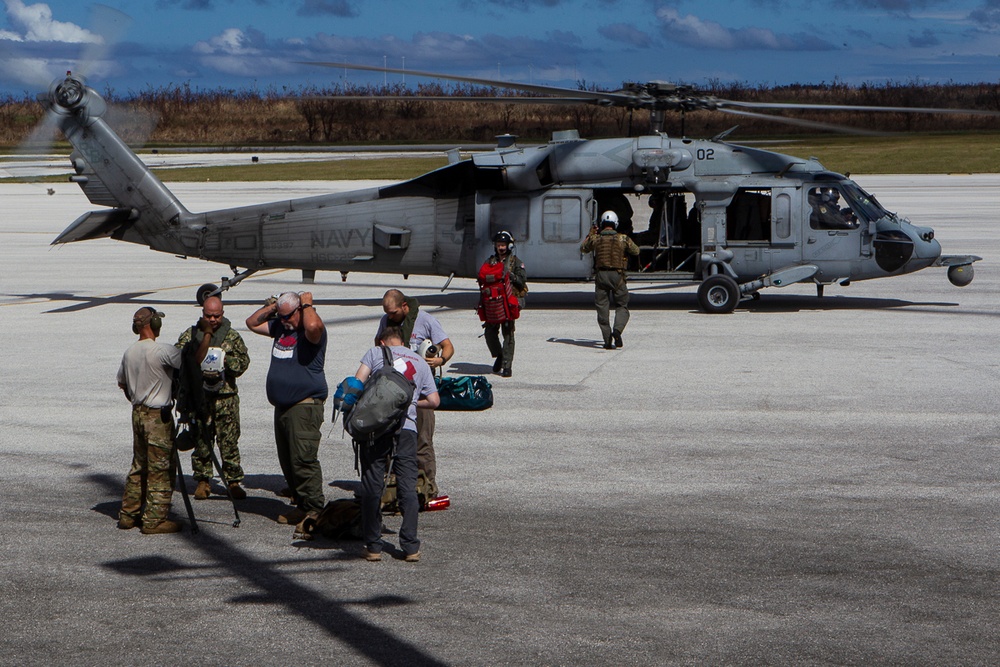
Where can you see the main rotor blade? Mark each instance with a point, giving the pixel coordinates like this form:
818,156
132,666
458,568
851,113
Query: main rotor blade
800,122
850,107
653,96
444,98
596,97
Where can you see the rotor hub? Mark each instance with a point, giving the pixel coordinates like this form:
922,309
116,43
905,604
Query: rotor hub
69,93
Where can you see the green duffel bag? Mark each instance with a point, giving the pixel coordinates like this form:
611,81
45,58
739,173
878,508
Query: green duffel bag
465,392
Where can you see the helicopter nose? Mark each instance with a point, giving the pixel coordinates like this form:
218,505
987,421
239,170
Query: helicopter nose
906,247
925,246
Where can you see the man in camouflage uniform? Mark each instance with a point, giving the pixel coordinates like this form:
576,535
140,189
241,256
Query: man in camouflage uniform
221,406
146,377
609,248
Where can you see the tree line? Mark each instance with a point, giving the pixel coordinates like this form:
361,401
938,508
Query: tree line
182,114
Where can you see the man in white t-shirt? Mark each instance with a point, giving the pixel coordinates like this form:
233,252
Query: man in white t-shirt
146,377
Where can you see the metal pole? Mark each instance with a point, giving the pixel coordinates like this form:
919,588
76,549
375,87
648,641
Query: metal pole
184,492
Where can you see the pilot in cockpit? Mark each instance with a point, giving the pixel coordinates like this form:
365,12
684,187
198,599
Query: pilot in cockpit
826,211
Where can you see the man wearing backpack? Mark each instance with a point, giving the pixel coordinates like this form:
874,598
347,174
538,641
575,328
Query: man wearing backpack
399,446
417,326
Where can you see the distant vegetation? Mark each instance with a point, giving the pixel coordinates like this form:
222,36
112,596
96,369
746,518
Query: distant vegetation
185,115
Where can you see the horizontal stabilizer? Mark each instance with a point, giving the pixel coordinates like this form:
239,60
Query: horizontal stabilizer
95,225
956,260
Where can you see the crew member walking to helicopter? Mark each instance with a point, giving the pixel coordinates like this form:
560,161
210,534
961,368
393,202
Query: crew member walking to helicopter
512,270
609,248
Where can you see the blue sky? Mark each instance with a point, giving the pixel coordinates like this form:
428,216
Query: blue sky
256,43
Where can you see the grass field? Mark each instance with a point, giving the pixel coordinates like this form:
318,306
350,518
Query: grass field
902,154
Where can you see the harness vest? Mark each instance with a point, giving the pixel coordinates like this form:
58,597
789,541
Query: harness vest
609,252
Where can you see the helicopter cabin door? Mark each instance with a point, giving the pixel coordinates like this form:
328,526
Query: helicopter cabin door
548,229
759,230
785,246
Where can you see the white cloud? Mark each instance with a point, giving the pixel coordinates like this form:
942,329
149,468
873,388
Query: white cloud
239,53
693,31
231,41
37,25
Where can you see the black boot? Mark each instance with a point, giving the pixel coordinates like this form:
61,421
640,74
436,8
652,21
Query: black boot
505,373
498,364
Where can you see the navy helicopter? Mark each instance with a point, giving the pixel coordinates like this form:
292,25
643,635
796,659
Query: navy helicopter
727,218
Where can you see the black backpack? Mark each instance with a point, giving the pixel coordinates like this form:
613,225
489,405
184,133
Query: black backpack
382,406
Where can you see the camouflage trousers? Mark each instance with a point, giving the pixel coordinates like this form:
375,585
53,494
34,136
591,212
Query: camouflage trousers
225,414
151,477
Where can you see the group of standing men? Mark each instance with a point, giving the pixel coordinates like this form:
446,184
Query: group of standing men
297,388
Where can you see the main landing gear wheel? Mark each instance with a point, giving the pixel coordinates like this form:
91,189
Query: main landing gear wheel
718,294
204,292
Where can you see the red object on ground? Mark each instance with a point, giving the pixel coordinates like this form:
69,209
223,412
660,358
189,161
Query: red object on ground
439,503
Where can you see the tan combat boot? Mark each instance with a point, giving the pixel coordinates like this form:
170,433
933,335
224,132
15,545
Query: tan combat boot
161,528
203,491
292,517
127,522
236,491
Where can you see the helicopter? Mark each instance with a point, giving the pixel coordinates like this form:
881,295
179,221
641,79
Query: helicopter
727,218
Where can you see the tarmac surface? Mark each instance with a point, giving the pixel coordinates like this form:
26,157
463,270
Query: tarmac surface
805,481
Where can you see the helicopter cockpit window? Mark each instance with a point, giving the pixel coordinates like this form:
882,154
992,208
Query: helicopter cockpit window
865,205
509,214
829,211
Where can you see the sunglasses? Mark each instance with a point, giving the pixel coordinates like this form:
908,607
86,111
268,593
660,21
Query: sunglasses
285,318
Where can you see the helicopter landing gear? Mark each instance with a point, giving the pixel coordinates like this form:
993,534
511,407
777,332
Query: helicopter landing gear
208,289
718,294
819,290
205,291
